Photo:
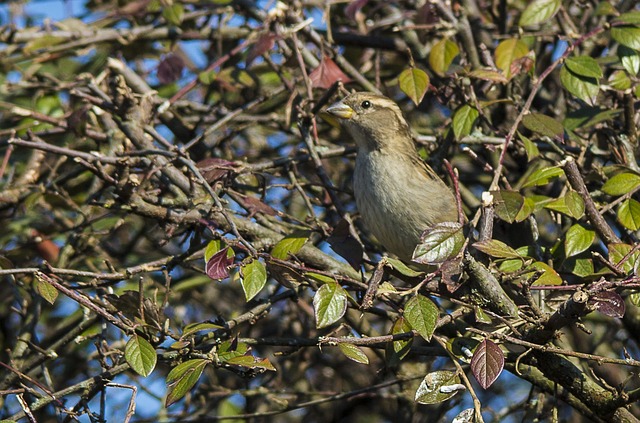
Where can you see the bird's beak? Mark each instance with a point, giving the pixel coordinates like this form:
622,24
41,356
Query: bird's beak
340,110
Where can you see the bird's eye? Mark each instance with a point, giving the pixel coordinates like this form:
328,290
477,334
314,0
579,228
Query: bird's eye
365,104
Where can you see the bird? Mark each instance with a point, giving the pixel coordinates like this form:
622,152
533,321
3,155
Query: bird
397,194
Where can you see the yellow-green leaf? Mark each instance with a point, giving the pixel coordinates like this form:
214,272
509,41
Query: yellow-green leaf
619,252
507,52
290,244
254,278
542,176
622,183
584,66
629,214
414,83
529,147
627,35
140,355
182,378
488,75
422,315
174,13
353,352
438,386
544,125
496,248
397,350
507,204
630,59
441,56
46,290
578,239
539,11
463,120
580,86
619,80
549,275
330,304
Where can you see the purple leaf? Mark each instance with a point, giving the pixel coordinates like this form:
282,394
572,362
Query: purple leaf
218,265
609,303
345,245
214,169
264,43
354,7
170,68
326,74
487,363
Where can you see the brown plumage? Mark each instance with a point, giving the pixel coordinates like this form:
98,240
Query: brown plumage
397,194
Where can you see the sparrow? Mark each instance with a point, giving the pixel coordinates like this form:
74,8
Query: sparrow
397,194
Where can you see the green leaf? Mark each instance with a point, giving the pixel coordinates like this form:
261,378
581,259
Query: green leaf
46,290
549,275
42,42
630,59
496,248
511,265
414,83
529,147
539,11
250,362
619,80
604,8
463,120
193,328
438,386
544,125
207,77
630,18
174,14
182,378
527,209
622,183
629,214
397,350
462,347
254,278
578,239
488,75
439,243
140,355
353,352
618,252
422,315
290,244
582,87
330,304
582,267
584,66
319,277
507,52
571,204
507,204
441,56
542,176
402,268
586,117
574,204
627,35
230,349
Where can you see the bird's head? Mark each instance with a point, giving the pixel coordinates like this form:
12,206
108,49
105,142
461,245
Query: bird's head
374,121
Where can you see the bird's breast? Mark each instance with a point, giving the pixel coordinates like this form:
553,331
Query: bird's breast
397,201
